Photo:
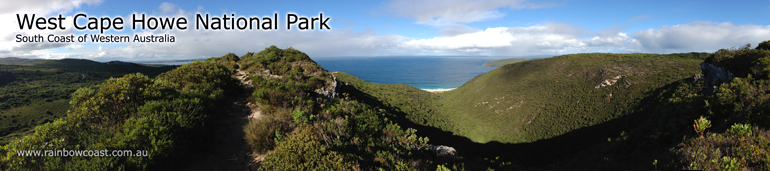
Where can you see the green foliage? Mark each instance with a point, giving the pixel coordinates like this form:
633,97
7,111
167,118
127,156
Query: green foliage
300,116
700,125
33,92
741,100
304,151
321,133
416,105
134,112
765,45
743,61
442,168
230,60
727,163
726,152
534,99
740,130
278,61
260,135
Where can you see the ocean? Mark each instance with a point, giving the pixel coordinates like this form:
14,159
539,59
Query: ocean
429,73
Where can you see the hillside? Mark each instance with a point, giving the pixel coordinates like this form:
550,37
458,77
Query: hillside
543,98
279,110
36,91
534,100
504,62
596,111
299,122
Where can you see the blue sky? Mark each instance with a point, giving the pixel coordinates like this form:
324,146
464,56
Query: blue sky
407,27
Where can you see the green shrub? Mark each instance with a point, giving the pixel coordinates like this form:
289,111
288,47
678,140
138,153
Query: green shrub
700,125
727,163
165,117
260,134
740,129
303,151
300,116
765,45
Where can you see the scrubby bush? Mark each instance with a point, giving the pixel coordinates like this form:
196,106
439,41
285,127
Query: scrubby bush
740,130
700,125
304,151
765,45
162,116
260,134
742,101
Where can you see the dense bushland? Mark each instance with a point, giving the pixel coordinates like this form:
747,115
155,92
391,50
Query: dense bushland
305,131
34,92
163,116
738,109
645,120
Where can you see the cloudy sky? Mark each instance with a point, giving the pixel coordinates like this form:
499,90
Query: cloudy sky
406,27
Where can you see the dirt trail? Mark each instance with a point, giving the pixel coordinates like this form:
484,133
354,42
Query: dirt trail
228,151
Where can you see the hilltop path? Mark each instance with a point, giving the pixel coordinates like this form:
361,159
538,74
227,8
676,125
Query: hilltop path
229,151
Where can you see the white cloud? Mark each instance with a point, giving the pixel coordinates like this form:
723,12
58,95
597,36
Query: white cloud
41,8
556,38
492,37
699,36
191,43
552,38
166,7
446,12
457,30
454,39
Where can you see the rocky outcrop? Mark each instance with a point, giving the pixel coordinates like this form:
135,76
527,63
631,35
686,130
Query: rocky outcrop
714,76
330,90
270,75
442,150
609,82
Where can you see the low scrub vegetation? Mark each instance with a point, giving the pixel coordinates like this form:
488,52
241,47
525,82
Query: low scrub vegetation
33,92
163,116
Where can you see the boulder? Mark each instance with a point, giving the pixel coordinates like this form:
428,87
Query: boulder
714,76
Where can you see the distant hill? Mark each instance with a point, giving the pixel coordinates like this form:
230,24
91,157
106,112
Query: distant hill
37,91
18,61
504,62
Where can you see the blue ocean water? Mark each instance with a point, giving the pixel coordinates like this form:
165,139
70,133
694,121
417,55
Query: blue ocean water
420,72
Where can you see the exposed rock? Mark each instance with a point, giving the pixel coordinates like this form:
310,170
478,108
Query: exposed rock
609,82
697,77
329,91
270,75
442,150
714,76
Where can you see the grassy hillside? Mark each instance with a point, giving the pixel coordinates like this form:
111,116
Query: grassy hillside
537,99
543,98
504,62
560,113
35,91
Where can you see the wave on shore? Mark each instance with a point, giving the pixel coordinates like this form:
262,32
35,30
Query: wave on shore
439,90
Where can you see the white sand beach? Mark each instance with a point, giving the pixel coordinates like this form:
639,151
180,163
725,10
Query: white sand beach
439,90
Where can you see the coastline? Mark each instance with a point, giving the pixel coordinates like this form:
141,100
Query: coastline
439,90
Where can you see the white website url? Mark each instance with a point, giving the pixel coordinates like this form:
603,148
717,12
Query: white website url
84,153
